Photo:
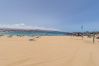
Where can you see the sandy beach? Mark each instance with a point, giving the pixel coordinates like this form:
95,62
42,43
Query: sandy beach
48,51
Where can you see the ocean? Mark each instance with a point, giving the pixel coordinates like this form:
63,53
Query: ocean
33,33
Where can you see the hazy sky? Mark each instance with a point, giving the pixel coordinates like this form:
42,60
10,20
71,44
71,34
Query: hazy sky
65,15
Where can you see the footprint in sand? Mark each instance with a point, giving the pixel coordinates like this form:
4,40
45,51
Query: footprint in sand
19,62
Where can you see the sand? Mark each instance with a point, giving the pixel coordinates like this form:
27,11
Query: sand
48,51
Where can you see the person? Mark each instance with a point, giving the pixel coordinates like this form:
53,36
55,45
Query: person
93,38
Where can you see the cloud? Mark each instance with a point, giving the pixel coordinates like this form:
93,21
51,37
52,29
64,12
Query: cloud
23,26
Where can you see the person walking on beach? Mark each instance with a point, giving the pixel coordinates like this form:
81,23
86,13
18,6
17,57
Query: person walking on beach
93,38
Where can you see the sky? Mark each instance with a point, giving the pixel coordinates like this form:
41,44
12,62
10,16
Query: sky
63,15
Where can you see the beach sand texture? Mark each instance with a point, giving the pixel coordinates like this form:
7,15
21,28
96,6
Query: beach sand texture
48,51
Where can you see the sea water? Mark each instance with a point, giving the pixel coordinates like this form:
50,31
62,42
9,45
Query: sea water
34,33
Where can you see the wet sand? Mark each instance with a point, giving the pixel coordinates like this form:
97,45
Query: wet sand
48,51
